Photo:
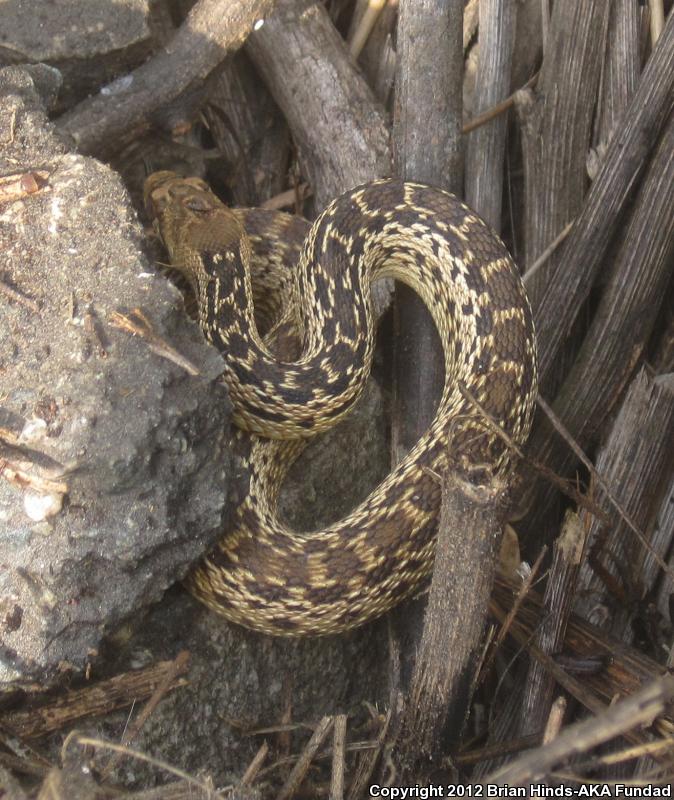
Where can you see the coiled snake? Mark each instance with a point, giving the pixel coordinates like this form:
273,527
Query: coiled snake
261,574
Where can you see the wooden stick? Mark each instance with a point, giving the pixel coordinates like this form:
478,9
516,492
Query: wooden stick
453,622
368,762
555,719
622,324
211,31
625,670
179,666
338,750
657,9
287,198
601,481
428,148
640,709
367,22
253,768
304,761
103,697
545,255
559,596
337,126
486,146
556,128
138,324
512,613
563,292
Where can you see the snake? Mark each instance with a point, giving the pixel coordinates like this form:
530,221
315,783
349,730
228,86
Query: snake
289,305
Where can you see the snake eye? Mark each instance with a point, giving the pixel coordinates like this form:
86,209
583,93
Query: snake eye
198,203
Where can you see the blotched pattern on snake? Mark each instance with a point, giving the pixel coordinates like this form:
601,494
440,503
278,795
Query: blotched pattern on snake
310,286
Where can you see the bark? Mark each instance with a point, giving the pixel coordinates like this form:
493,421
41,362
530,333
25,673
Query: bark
636,464
462,579
486,145
573,268
209,33
335,121
427,136
615,342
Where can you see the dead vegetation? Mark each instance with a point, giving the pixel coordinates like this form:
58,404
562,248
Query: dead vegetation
567,149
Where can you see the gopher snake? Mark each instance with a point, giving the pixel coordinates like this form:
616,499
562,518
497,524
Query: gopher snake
261,574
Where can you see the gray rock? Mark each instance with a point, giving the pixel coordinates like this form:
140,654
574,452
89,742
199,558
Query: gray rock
134,446
90,43
240,681
338,469
143,448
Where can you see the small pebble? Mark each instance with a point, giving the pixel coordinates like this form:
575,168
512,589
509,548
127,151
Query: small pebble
41,506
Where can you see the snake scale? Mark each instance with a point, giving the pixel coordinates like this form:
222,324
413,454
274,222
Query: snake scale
311,285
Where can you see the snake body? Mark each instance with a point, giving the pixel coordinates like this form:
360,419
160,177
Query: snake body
261,574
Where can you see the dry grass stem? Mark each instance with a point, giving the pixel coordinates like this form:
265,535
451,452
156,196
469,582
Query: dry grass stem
578,451
364,29
549,250
519,599
103,697
100,744
498,109
626,715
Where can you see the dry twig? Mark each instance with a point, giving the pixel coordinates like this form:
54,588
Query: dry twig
512,613
211,31
17,297
177,667
338,750
367,22
103,697
633,712
545,255
253,768
304,761
138,324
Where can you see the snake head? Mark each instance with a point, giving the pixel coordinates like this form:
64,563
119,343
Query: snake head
190,220
205,241
171,201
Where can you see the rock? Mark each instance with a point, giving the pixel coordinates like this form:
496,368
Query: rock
338,469
240,681
90,43
118,456
142,448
